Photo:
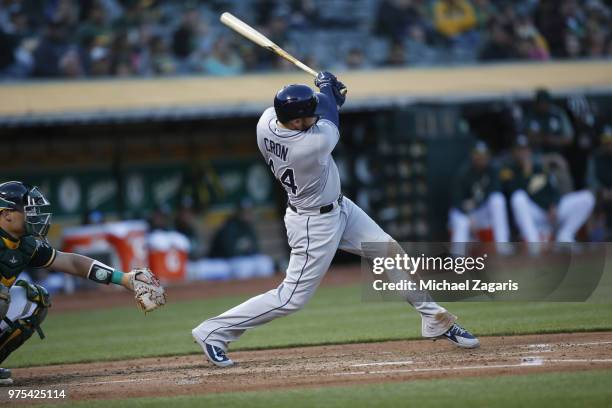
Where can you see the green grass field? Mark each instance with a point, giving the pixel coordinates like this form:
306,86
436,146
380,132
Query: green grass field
335,315
583,389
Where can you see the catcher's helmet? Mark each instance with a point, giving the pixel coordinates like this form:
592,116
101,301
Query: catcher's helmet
17,196
295,101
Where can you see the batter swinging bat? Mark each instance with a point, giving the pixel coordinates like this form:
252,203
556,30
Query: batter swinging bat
258,38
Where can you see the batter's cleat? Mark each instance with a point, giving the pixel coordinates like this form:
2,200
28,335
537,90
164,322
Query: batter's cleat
461,337
5,376
215,354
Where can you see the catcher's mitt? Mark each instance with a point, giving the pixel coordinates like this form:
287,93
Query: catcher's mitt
149,293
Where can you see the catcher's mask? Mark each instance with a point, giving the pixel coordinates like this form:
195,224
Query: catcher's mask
17,196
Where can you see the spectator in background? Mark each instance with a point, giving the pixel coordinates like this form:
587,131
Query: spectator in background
8,48
65,12
184,38
600,182
485,11
395,17
304,15
573,46
418,51
278,28
50,51
477,201
71,64
223,61
355,59
100,62
123,63
596,43
551,22
500,45
160,60
162,38
455,20
532,45
94,26
397,55
540,210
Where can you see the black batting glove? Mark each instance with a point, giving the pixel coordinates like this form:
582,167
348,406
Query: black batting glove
325,78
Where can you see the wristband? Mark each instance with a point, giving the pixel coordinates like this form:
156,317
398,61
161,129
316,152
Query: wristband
117,276
100,273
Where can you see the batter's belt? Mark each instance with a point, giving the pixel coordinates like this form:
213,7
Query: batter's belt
323,210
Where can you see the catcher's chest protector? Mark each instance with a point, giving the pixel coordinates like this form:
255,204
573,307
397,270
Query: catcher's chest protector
17,255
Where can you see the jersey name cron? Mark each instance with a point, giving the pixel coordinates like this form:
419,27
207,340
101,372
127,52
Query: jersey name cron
276,149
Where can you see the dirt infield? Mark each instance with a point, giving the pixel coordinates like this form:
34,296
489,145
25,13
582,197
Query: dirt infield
322,366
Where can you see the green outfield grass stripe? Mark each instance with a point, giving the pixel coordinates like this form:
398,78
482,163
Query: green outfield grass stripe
557,390
334,316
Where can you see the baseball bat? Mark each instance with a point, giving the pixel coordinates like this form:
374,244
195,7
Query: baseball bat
258,38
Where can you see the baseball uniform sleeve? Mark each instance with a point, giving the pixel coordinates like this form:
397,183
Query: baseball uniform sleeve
327,108
328,136
43,255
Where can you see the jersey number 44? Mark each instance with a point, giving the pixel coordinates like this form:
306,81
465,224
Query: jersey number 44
287,179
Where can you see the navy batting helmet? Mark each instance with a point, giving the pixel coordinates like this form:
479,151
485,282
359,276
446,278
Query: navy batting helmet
295,101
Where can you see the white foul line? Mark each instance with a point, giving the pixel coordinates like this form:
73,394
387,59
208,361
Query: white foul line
116,381
545,345
580,360
414,370
526,363
383,363
592,343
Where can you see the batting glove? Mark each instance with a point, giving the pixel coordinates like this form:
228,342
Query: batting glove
325,79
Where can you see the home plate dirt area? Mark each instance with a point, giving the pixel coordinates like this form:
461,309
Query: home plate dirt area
323,366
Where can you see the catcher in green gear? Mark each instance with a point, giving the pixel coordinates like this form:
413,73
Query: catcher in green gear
24,223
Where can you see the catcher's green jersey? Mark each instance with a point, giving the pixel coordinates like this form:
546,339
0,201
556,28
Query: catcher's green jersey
16,255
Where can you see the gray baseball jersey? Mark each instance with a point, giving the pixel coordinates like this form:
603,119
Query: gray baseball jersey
301,161
303,164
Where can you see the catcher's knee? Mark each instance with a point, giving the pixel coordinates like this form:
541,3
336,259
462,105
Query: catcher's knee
20,329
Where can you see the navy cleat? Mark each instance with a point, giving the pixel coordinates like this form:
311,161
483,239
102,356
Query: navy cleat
215,354
5,376
461,337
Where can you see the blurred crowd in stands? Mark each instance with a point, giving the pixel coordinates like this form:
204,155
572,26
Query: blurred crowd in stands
128,38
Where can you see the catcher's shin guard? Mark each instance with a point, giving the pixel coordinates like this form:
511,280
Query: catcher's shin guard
20,330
